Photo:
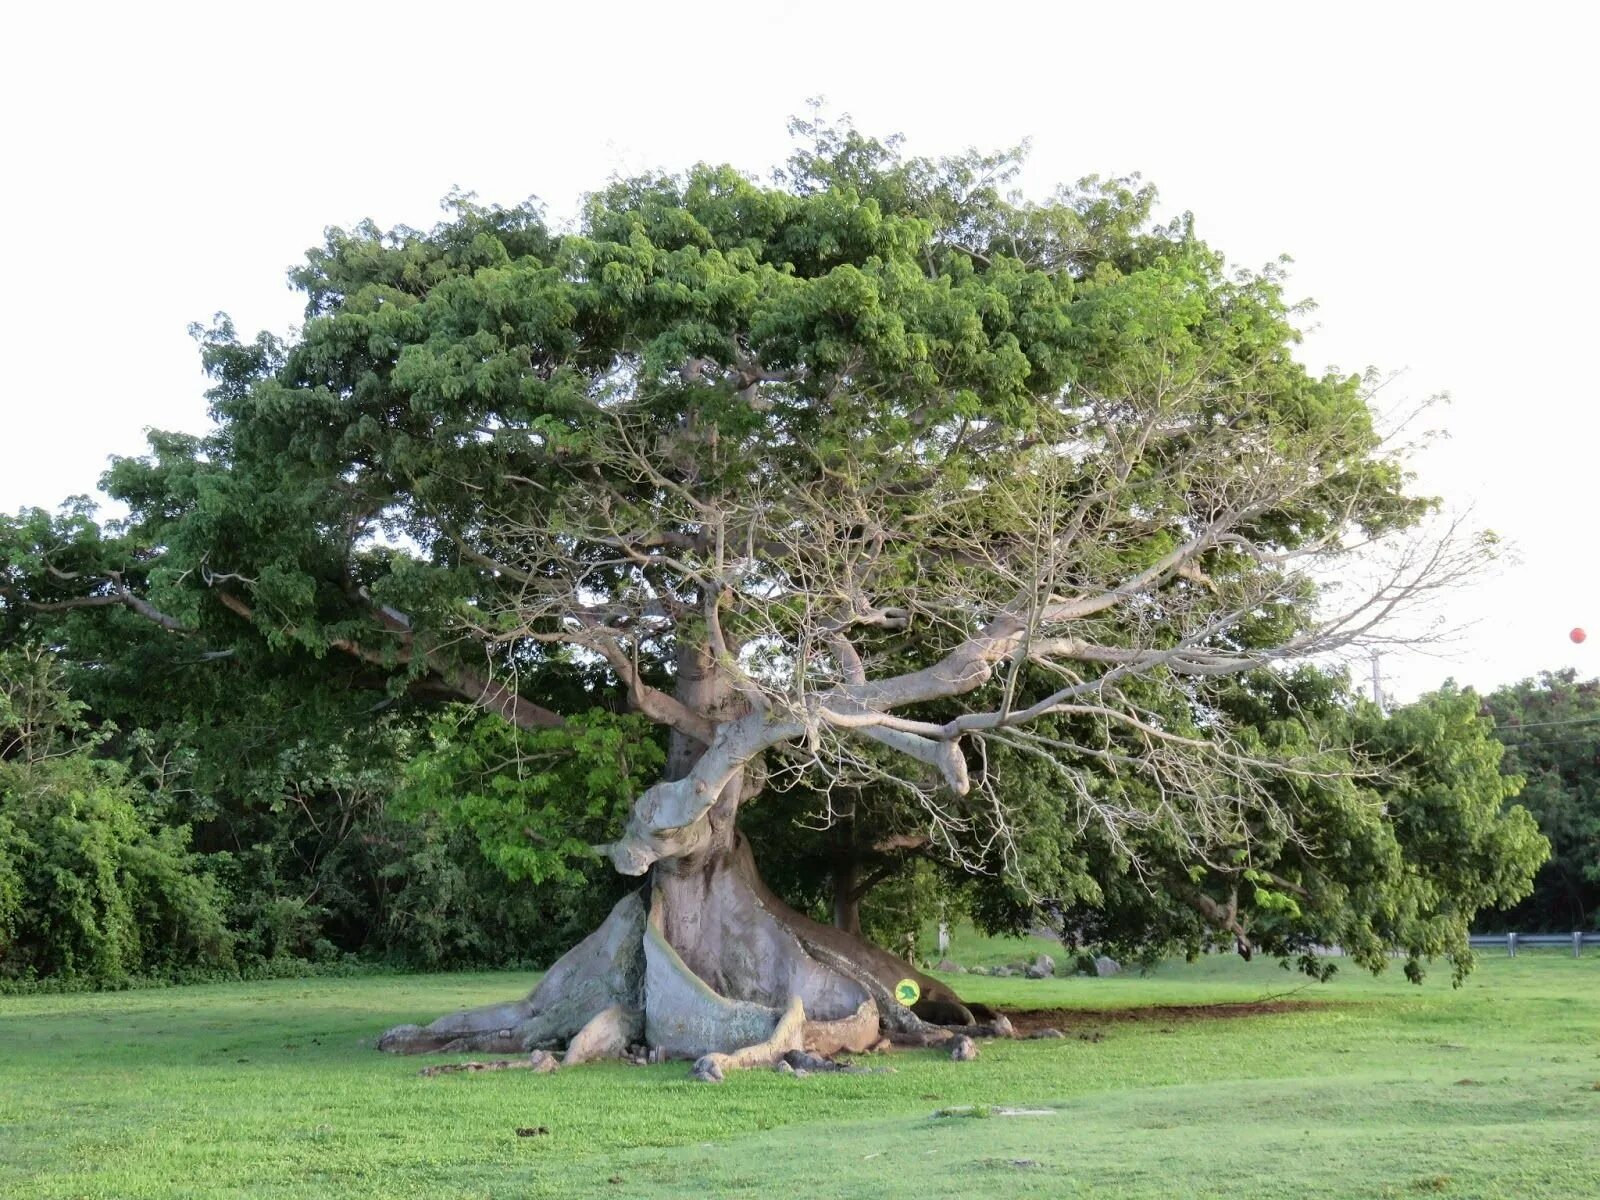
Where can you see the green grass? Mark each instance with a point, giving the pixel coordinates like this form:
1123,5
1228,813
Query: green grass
272,1090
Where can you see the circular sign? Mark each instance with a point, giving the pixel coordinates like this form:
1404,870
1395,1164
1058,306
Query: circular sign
1578,635
907,992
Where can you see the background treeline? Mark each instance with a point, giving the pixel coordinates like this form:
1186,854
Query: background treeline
172,817
236,845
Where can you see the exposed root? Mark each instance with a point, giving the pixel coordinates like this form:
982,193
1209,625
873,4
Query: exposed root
800,1062
608,1034
786,1037
685,1018
605,969
541,1061
857,1033
491,1027
732,935
716,970
938,1035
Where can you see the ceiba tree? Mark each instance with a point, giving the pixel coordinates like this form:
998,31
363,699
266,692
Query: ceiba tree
872,474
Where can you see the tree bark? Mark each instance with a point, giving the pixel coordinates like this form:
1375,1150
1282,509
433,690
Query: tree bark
704,960
846,897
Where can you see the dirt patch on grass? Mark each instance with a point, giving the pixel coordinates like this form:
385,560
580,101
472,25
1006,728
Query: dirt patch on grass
1072,1020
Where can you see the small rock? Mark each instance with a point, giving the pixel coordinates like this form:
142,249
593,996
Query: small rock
782,1067
963,1049
533,1131
1002,972
882,1046
542,1061
1036,972
707,1070
801,1072
1104,966
1045,963
950,968
1046,1033
1019,968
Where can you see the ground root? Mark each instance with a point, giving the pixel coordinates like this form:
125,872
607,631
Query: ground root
603,971
709,966
938,1035
800,1062
540,1061
786,1037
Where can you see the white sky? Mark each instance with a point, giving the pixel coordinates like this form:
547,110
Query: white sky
1428,166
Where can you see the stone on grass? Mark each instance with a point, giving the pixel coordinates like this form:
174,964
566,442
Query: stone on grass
950,968
1046,1033
963,1048
707,1070
1104,966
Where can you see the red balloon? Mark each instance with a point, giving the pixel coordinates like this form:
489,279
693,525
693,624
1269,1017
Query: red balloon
1577,635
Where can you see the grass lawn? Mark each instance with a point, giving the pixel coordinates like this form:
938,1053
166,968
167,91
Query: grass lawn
1374,1088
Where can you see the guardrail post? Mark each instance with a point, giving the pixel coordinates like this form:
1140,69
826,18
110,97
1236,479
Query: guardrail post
1511,945
1577,944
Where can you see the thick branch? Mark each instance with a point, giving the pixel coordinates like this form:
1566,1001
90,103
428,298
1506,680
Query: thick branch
122,596
652,702
480,689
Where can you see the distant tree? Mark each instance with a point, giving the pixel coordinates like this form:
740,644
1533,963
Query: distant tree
871,475
1550,726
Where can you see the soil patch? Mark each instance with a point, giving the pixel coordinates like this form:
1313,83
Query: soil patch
1029,1020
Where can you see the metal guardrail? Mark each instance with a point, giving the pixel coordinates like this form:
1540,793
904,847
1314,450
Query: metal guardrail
1511,941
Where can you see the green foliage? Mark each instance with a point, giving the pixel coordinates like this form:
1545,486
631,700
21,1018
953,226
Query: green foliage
536,802
1387,833
1396,846
1550,726
90,886
496,448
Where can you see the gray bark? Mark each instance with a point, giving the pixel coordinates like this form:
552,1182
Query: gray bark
704,963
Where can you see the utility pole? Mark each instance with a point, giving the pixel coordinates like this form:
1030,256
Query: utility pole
1377,678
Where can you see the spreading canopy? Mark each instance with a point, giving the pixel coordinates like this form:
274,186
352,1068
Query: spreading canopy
873,474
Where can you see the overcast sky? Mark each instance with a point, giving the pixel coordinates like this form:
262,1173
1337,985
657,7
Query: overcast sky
1430,168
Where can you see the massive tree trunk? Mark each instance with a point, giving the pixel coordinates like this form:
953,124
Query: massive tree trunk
704,959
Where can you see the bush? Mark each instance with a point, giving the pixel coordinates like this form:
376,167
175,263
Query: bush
91,886
88,888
